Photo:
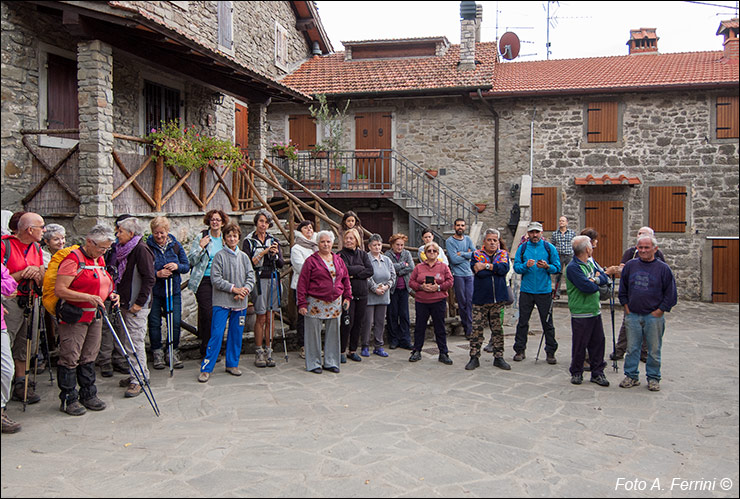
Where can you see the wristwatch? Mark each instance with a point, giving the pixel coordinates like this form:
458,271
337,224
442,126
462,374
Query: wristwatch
488,266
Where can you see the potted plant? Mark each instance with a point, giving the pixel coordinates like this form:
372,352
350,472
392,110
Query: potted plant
283,150
320,151
331,121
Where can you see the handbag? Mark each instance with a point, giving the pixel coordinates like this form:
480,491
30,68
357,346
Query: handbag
68,313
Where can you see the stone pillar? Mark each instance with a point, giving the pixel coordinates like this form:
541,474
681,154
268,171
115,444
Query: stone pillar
95,96
257,139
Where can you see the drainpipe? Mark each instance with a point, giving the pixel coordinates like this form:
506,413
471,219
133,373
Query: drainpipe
495,145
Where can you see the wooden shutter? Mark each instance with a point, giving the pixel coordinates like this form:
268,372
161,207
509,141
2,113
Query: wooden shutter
62,93
545,207
241,128
225,38
603,121
302,131
725,272
727,117
668,208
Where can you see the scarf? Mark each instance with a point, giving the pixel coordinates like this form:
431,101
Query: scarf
301,241
122,253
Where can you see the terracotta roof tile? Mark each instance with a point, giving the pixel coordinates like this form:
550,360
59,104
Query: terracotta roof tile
607,180
333,75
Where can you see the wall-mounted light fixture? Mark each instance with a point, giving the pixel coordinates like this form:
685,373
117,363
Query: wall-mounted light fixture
218,98
514,190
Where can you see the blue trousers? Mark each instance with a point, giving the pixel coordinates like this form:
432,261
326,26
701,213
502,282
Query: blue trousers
233,340
399,324
464,297
159,310
651,329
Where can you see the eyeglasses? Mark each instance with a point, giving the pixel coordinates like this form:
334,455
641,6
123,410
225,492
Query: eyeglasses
431,251
216,220
42,227
104,249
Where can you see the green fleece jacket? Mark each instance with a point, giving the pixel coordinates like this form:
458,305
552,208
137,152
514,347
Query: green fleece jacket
583,288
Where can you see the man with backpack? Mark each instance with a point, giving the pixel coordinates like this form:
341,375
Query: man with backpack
22,256
536,260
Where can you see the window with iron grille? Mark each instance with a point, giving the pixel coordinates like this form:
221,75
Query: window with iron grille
161,103
668,208
602,121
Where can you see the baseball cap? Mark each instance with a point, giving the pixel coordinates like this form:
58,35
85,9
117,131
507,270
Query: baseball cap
534,226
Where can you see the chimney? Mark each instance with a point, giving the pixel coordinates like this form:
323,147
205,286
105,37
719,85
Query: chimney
643,41
469,28
729,29
478,21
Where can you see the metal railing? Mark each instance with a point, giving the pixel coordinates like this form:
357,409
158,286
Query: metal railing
381,170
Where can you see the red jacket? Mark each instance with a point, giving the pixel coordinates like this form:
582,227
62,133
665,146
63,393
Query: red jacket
442,276
316,281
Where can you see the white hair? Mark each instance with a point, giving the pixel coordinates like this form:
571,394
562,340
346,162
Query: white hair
580,244
325,233
132,225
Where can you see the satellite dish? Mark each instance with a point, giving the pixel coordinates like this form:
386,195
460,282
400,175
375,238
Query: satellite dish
509,45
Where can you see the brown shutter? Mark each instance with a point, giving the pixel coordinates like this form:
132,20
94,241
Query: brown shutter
727,117
62,93
545,207
725,280
668,208
302,131
603,120
241,128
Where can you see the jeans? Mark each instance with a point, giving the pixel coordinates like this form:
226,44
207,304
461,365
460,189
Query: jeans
159,310
233,340
527,301
651,329
399,325
464,297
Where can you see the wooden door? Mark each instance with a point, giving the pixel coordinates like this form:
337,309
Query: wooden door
373,134
378,223
241,129
545,207
725,271
606,218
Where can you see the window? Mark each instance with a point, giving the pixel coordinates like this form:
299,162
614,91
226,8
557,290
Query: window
302,131
727,117
225,26
281,47
668,208
161,103
602,121
58,107
545,207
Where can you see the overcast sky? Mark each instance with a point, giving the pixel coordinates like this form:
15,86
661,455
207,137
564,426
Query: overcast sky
578,29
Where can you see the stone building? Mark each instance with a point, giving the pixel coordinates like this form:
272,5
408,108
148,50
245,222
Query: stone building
611,142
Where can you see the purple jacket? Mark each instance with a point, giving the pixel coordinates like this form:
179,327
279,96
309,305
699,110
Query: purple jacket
316,281
8,287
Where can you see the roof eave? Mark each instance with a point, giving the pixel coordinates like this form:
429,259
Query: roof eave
422,92
601,90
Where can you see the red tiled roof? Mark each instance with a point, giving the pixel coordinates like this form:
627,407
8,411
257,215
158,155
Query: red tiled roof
729,24
639,34
333,75
607,180
640,72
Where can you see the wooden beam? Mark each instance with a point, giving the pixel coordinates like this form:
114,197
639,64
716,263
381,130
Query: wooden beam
64,184
131,180
49,174
158,181
186,186
267,206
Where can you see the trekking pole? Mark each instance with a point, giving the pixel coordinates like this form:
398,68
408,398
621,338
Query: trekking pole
549,315
28,315
45,333
169,321
36,316
143,381
614,341
280,308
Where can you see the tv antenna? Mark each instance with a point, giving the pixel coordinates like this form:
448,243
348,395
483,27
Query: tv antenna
552,21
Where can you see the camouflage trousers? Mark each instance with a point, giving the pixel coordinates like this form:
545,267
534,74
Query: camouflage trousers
487,315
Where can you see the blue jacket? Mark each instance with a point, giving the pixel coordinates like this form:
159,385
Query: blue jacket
460,264
174,252
485,280
535,280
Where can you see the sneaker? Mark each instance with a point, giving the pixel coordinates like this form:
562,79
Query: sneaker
269,362
445,359
365,352
406,346
106,370
551,359
260,359
10,426
600,380
73,408
501,364
653,385
379,351
628,382
93,403
415,356
577,379
234,371
19,390
489,348
203,377
125,382
353,356
302,354
519,356
343,359
158,359
472,364
134,390
177,361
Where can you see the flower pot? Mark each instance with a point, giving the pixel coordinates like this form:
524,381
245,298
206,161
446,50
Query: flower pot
358,184
319,154
480,207
432,173
335,178
314,184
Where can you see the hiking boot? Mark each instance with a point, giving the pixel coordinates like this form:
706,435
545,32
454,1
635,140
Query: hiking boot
472,363
93,403
551,359
125,382
445,359
106,370
628,382
415,356
302,354
19,390
616,356
353,356
158,359
234,371
260,359
73,408
134,390
269,361
600,380
577,379
519,356
501,364
177,361
203,377
10,426
489,348
653,385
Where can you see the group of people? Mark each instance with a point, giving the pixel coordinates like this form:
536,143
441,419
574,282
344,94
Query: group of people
352,295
